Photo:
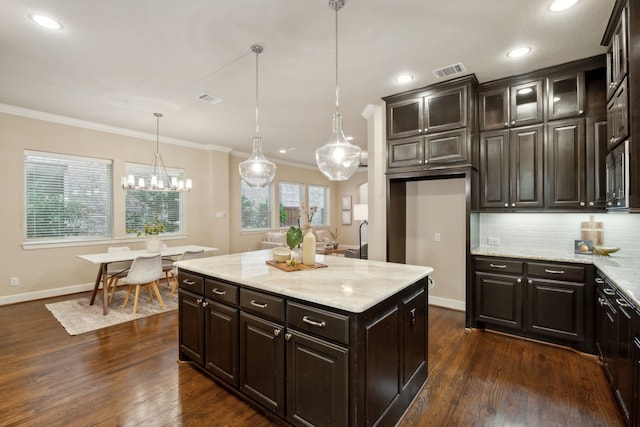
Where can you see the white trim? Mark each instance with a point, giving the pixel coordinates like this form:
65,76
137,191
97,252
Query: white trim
32,296
49,244
447,303
70,121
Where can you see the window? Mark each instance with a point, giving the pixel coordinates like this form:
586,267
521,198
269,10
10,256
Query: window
319,198
256,207
143,206
67,197
291,198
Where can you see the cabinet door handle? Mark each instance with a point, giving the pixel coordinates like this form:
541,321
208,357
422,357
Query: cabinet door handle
546,270
258,304
198,301
204,304
218,291
188,282
581,112
497,265
513,122
530,282
591,204
412,318
622,303
306,319
519,280
513,205
506,124
287,337
609,292
506,205
602,301
582,203
599,280
276,332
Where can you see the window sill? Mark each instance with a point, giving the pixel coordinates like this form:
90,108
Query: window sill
52,244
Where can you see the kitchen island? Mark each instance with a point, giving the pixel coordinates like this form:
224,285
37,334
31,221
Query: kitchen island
345,344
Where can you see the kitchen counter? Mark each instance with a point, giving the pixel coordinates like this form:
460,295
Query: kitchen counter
622,270
348,284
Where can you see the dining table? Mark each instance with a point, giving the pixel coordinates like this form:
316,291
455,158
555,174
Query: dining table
106,258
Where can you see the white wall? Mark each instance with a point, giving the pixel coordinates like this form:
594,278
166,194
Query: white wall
439,206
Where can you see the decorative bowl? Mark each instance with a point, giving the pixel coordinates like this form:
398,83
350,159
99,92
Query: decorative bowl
604,250
281,254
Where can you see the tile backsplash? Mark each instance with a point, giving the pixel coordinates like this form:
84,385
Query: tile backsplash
557,231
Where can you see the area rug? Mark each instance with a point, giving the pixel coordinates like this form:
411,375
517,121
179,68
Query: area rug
78,317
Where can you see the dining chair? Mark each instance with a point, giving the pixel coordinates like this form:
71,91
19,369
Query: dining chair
144,272
174,271
117,270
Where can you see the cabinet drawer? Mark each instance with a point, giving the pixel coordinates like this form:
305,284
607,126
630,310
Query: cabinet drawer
262,304
191,282
221,291
318,322
499,265
566,272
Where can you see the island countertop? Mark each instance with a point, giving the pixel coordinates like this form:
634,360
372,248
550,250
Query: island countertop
348,284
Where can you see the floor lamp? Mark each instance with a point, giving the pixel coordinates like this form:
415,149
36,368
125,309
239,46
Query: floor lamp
360,213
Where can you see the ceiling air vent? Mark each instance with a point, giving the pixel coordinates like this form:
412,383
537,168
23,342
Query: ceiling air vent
208,98
450,70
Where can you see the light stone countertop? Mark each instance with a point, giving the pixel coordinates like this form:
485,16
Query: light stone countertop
622,270
348,284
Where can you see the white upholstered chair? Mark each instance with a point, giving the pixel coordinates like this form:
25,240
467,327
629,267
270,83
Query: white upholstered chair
117,270
144,272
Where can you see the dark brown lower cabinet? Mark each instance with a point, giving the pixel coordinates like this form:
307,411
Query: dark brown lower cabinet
548,301
262,361
636,369
624,360
317,381
309,365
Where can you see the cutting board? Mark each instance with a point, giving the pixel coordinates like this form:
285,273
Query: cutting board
591,230
298,267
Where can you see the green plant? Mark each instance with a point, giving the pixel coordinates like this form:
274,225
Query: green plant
334,234
153,229
294,237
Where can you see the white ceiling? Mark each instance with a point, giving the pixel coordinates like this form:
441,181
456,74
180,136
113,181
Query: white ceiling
116,62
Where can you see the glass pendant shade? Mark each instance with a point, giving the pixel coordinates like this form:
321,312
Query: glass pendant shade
338,159
257,171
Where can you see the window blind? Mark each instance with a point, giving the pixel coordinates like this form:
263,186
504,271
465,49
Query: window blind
319,197
256,207
143,206
291,198
67,197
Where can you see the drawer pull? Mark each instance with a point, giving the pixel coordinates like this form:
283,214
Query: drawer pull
609,292
218,291
622,303
497,265
546,270
188,282
258,304
306,319
599,280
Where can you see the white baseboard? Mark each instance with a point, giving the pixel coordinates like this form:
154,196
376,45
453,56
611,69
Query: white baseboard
31,296
447,303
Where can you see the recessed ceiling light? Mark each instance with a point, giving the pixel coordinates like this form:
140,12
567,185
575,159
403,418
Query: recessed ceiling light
560,5
404,78
286,149
519,52
46,22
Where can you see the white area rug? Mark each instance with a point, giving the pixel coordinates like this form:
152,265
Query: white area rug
78,317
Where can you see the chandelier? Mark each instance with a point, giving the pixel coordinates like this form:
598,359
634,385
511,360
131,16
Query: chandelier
160,179
257,171
338,159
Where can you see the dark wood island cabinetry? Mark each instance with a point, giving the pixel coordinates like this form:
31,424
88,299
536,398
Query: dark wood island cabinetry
339,346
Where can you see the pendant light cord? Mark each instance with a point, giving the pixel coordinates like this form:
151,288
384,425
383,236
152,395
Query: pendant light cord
337,90
257,127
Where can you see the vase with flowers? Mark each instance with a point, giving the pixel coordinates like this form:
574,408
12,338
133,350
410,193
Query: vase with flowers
152,230
309,239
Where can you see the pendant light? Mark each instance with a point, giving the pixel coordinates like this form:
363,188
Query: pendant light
338,159
160,179
257,171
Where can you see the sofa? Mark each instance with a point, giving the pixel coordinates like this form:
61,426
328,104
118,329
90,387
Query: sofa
274,239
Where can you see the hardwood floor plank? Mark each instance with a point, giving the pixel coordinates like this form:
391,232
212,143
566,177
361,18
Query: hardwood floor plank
128,374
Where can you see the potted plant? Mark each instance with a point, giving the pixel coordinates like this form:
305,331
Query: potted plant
152,230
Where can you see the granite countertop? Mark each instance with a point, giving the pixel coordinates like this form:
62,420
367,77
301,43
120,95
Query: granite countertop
622,270
348,284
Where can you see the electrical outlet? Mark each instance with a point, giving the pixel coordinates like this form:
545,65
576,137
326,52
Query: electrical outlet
437,237
15,281
494,241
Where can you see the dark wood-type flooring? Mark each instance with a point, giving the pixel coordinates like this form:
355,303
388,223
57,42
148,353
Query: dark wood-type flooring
128,375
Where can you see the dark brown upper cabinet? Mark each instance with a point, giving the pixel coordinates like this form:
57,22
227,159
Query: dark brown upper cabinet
427,111
617,54
566,96
618,116
511,106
